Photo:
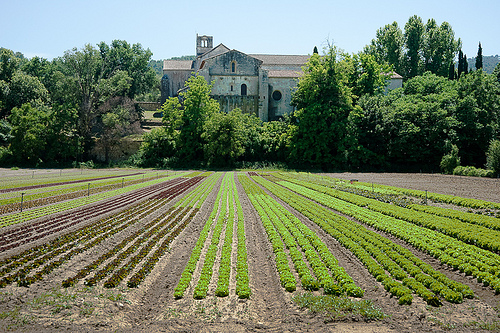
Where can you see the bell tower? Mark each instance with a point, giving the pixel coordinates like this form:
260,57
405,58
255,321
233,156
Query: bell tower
204,44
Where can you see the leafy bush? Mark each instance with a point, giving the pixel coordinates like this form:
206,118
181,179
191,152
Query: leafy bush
450,161
493,157
472,171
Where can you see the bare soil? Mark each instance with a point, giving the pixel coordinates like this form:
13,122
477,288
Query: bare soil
461,186
45,306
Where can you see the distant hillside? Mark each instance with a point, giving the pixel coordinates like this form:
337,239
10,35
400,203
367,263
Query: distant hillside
157,65
185,57
489,63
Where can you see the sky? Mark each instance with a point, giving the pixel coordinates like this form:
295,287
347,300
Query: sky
48,28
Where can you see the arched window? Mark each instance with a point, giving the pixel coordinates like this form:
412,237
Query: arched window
243,89
233,67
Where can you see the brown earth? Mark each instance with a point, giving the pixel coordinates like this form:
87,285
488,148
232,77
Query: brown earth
461,186
46,306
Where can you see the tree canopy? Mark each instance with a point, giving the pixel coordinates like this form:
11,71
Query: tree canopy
422,47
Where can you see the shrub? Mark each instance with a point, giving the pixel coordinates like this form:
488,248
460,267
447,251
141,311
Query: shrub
450,161
493,157
472,171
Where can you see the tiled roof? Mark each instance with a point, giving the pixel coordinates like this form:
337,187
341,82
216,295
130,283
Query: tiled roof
395,75
177,64
275,59
284,73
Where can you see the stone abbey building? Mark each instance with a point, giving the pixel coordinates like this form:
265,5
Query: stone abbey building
260,84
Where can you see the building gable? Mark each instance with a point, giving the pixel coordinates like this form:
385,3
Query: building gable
219,49
232,62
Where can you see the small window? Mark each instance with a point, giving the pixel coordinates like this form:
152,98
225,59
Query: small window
233,67
243,89
232,88
277,95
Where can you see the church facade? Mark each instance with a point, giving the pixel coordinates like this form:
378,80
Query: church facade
259,84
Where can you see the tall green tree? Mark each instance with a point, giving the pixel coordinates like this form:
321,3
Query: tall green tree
439,47
413,42
43,135
478,116
156,148
323,101
132,59
493,156
91,76
461,64
430,47
29,132
224,136
496,72
17,86
365,75
84,72
186,121
479,57
24,88
388,46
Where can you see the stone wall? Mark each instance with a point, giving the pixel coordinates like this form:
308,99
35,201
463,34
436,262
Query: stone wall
248,104
280,96
231,85
172,81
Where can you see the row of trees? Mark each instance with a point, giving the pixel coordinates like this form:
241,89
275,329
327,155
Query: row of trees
343,121
52,111
421,48
56,111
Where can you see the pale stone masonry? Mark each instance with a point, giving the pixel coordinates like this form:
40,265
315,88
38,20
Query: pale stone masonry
260,84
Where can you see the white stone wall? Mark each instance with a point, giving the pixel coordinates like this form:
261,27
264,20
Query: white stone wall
285,86
222,84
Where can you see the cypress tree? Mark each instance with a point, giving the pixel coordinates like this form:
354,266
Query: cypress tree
460,63
315,50
466,65
479,58
451,72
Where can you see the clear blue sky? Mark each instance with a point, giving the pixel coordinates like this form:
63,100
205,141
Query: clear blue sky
47,28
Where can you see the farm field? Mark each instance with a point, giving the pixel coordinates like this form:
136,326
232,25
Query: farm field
202,251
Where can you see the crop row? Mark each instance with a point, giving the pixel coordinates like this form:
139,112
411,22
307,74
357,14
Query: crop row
31,200
201,288
129,245
469,259
242,279
193,200
391,196
67,205
49,184
470,233
30,232
285,274
187,273
67,246
226,214
75,242
222,289
296,235
392,190
151,234
377,253
437,197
